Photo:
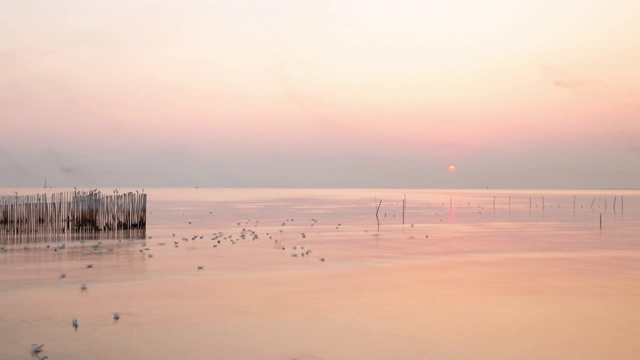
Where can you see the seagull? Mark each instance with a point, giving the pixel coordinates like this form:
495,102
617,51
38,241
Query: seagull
200,267
63,275
75,323
116,316
89,266
35,348
83,287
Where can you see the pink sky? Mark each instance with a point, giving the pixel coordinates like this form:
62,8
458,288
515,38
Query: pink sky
317,93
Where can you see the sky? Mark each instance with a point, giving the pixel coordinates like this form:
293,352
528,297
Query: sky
353,93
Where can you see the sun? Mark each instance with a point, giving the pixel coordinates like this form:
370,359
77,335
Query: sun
452,168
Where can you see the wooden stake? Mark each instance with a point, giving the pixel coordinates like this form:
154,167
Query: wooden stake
404,205
377,210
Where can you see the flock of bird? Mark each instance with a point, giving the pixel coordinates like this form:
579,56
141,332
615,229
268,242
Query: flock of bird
246,233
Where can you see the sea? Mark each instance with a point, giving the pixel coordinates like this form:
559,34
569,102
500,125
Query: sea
311,274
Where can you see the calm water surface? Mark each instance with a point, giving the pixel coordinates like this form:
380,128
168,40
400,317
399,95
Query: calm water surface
491,274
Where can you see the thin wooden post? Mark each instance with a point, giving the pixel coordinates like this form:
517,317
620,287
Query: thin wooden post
404,205
377,210
600,221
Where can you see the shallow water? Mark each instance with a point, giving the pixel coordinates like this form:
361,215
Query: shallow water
465,277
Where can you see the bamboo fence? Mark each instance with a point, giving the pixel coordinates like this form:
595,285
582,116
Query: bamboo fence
73,214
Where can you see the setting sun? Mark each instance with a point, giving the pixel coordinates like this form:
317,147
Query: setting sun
452,168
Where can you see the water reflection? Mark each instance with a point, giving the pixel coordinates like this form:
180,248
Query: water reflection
7,238
454,282
452,214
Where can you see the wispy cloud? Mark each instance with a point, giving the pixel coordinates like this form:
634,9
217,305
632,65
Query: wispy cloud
563,79
573,84
592,87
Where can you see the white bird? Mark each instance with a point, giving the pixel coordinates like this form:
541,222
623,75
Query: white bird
116,316
35,348
75,323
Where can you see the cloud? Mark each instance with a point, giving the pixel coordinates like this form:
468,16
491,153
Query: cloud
572,84
610,92
562,79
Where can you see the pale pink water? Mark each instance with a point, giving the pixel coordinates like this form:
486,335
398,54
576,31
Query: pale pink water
459,280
